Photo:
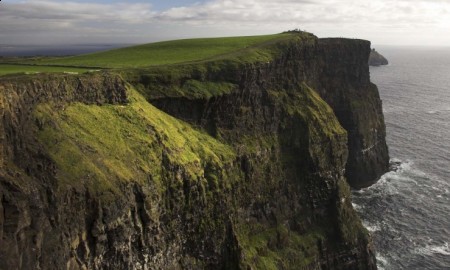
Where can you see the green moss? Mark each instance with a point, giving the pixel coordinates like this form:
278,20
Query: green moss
278,247
199,89
103,146
351,228
254,144
306,103
178,82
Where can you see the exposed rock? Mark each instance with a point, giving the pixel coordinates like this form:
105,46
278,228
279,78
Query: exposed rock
92,176
376,59
335,68
347,88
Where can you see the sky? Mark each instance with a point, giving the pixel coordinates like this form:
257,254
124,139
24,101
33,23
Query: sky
384,22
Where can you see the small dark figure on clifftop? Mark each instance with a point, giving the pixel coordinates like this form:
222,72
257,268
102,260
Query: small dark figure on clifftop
376,59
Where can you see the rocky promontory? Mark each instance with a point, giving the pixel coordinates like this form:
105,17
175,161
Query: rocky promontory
227,163
376,59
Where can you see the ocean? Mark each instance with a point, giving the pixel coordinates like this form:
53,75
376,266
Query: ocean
408,209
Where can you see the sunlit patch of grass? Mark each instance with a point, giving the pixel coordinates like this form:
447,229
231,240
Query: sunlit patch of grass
102,146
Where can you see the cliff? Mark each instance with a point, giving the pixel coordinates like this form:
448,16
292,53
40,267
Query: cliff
376,59
335,68
230,163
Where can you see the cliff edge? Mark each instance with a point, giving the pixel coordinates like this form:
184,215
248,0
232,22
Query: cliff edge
235,162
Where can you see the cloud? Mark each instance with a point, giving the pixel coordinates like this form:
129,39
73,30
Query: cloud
250,12
49,21
321,12
384,21
72,11
56,15
354,18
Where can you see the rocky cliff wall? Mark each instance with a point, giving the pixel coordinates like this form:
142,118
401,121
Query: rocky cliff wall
28,207
345,85
93,176
336,68
19,95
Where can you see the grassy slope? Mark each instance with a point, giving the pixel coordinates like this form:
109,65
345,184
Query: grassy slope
164,53
160,54
102,146
192,80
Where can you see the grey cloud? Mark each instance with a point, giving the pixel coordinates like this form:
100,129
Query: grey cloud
222,12
51,17
281,12
76,12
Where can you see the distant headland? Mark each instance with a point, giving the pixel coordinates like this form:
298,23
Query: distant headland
376,59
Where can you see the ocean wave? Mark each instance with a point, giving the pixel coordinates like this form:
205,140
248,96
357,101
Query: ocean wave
402,175
371,227
357,207
383,185
382,262
430,250
404,184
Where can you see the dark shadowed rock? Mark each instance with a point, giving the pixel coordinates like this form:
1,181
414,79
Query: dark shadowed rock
376,59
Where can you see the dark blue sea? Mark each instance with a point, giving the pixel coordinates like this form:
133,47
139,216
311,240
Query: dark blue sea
408,210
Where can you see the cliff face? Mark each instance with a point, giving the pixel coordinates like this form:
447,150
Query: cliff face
252,176
336,68
346,86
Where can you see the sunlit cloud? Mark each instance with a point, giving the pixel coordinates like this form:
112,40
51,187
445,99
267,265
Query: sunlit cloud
32,20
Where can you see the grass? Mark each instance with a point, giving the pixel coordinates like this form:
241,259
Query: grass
103,146
317,111
278,247
166,53
6,69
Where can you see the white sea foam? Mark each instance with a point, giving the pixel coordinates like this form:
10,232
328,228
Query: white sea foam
371,227
429,250
357,207
406,166
382,262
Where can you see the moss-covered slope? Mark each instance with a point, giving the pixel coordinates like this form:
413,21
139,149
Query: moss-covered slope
102,147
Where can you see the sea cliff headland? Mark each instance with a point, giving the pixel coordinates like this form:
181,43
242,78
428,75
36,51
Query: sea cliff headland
203,158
